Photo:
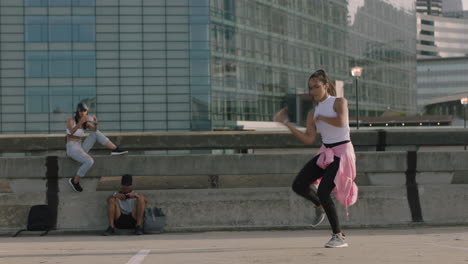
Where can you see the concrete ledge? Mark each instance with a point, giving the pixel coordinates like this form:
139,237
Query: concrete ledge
444,203
387,161
14,208
23,167
252,208
24,174
443,161
246,208
239,191
396,139
178,165
199,164
394,178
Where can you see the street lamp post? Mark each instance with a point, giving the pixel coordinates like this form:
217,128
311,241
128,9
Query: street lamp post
464,102
356,73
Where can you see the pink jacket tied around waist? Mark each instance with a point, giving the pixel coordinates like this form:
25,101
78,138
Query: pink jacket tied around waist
346,191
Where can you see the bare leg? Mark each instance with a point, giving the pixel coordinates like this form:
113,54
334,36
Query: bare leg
139,210
113,211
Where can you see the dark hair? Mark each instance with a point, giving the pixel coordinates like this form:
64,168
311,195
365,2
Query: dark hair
81,106
322,76
126,179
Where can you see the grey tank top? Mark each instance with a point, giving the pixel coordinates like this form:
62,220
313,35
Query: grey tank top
126,206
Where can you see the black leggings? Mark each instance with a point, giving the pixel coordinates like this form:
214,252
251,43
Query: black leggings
309,174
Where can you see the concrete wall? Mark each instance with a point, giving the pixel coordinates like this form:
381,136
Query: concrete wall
239,191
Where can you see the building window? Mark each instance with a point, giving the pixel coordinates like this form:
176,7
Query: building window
426,32
427,22
37,29
60,64
37,100
53,3
429,43
428,53
37,64
60,28
84,29
35,2
84,64
58,99
61,100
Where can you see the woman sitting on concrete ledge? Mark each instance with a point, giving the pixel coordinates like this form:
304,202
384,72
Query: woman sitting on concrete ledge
78,149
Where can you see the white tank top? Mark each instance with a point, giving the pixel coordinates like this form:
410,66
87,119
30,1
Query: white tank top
78,133
330,134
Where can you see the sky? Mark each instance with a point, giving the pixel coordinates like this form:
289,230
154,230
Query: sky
465,4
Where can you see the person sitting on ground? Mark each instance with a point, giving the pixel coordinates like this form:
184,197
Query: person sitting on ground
125,208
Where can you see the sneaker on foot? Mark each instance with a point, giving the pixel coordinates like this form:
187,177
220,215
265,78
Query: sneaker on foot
336,241
138,230
118,151
319,216
75,186
110,231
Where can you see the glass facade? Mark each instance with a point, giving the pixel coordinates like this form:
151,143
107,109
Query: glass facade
262,50
178,65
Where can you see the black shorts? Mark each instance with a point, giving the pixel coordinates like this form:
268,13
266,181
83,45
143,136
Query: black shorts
125,222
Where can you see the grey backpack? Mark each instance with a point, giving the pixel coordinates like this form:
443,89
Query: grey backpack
154,220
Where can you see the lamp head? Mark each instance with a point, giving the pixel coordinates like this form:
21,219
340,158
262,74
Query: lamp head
356,71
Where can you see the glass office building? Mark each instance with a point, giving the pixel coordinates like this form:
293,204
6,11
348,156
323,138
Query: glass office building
179,65
430,7
441,80
441,37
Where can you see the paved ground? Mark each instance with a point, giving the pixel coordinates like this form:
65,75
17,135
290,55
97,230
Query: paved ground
446,245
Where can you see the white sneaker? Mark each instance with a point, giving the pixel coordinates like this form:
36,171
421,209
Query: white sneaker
336,241
118,151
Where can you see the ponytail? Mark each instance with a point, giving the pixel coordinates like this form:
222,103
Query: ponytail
331,89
